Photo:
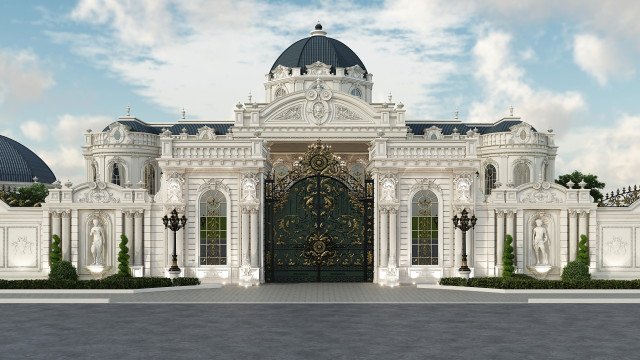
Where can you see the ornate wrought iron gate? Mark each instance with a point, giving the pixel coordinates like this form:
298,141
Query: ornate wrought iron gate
319,223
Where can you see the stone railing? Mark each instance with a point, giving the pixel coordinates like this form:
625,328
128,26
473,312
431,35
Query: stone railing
134,138
506,139
211,151
427,151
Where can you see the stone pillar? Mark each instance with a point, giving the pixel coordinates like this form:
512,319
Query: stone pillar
245,235
573,234
66,235
137,242
457,239
511,228
500,236
55,223
582,224
181,249
384,240
254,238
128,228
393,242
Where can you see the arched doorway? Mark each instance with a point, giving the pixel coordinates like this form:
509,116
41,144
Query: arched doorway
319,223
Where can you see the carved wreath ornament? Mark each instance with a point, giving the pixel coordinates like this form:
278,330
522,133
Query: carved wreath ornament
317,106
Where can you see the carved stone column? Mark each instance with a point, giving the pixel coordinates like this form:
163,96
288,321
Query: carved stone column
181,248
128,228
573,234
55,223
457,244
393,237
137,242
254,238
245,234
66,235
511,229
582,224
500,236
384,239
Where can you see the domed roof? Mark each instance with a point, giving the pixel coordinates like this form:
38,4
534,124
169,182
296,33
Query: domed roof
318,47
19,164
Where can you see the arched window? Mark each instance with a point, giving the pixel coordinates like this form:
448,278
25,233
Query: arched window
116,174
150,179
424,228
356,92
280,93
521,174
213,228
490,177
94,173
544,171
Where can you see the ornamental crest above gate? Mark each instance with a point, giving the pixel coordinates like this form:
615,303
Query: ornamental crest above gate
317,108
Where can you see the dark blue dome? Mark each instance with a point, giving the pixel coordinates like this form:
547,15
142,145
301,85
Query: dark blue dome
318,48
19,164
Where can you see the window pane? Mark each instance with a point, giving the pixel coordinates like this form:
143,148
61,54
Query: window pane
424,228
213,229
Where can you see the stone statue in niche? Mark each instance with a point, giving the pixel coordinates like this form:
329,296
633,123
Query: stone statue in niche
540,241
97,244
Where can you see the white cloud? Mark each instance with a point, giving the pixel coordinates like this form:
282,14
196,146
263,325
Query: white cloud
70,128
22,77
610,152
206,55
34,130
505,83
600,58
66,162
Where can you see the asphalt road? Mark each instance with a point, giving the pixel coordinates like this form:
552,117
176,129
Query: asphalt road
320,331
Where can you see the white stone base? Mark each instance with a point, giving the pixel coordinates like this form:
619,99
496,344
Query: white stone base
465,274
389,276
249,276
540,271
214,275
137,271
174,274
98,271
425,275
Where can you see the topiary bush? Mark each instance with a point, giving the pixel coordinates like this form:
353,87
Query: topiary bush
123,257
185,281
583,250
55,253
63,270
507,258
575,271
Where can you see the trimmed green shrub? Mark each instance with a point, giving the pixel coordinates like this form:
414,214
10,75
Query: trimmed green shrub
518,282
575,271
583,249
454,281
507,258
55,253
63,270
123,257
185,281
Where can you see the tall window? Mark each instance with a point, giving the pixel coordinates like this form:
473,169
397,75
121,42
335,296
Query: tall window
356,92
280,93
150,179
94,173
424,228
116,174
521,174
213,228
490,176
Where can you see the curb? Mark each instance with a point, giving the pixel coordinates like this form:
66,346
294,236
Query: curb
108,291
532,291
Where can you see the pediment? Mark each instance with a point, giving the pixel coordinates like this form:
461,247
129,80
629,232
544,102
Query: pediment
542,192
97,192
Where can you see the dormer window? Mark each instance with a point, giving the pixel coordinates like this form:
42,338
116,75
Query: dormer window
356,92
280,93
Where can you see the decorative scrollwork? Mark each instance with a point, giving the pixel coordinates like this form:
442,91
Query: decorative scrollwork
623,198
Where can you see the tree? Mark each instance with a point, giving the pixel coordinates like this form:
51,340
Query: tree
27,196
583,250
507,258
55,255
123,257
591,181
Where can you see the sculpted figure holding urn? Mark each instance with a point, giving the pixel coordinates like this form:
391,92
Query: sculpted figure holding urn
97,234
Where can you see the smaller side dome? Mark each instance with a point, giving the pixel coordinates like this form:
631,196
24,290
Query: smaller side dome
18,164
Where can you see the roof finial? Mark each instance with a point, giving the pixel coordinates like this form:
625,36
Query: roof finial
184,113
455,114
318,30
249,96
511,110
390,96
128,110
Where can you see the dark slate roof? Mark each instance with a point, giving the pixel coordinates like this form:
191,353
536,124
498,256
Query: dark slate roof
19,164
192,128
447,127
318,48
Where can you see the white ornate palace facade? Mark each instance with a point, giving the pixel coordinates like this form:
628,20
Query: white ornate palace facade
414,175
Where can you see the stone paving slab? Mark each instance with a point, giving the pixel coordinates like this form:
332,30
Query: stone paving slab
320,293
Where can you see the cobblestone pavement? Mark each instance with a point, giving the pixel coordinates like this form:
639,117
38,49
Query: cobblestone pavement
320,293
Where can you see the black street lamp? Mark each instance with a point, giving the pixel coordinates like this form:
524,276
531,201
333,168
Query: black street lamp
174,223
462,223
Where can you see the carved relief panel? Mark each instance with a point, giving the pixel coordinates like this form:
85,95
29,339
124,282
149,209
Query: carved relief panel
617,247
22,247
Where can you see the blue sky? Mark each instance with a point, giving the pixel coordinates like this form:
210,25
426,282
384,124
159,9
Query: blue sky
67,66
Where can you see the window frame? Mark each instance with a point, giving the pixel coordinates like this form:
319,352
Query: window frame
227,256
525,166
440,229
